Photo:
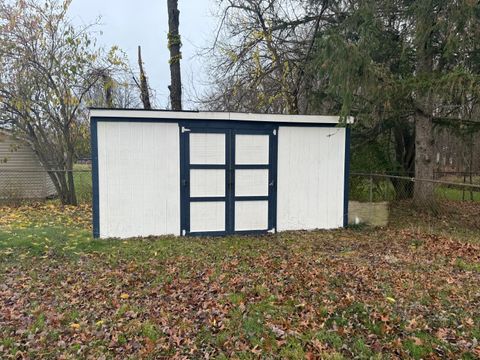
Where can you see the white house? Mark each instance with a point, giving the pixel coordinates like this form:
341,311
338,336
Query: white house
216,173
22,176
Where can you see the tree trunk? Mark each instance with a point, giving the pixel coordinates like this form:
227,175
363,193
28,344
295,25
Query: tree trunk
405,157
174,45
64,184
424,166
107,87
60,182
144,93
65,177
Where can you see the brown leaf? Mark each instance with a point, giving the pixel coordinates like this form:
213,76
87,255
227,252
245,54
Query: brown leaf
417,341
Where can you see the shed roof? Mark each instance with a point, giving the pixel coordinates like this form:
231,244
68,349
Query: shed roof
207,115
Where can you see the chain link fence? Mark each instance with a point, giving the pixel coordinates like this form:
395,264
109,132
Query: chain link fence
390,200
24,185
375,199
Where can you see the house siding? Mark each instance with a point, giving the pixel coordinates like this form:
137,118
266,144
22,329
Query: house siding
22,176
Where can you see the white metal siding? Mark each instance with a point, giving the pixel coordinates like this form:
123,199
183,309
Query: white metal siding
139,179
311,163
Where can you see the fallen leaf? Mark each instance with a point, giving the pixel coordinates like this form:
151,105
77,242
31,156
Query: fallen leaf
417,341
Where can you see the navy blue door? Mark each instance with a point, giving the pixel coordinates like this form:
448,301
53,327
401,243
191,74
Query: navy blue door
228,178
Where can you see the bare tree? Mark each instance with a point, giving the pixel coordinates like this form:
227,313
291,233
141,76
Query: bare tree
47,69
260,53
174,44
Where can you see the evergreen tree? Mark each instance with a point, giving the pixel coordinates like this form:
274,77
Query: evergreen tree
402,66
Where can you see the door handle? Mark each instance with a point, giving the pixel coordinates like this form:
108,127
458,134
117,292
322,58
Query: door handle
272,183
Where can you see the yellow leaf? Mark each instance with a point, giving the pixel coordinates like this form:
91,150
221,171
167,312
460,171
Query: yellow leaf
75,326
124,296
99,322
390,299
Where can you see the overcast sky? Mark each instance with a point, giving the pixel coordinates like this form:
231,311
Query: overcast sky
129,23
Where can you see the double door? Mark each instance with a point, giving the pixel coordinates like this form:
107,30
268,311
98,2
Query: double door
228,179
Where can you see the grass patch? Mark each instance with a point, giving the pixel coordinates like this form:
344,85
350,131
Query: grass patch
449,193
467,266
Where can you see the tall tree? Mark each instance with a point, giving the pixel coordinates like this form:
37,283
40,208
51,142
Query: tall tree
47,69
174,44
404,66
425,22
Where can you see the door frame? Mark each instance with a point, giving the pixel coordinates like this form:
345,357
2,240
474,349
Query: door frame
230,130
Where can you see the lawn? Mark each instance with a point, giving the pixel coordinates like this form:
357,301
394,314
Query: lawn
360,292
82,176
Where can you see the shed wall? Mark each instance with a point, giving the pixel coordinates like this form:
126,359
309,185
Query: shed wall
139,179
311,170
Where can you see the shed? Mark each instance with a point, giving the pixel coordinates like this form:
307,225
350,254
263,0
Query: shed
22,175
216,173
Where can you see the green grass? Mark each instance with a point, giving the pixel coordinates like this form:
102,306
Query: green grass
467,266
82,177
457,194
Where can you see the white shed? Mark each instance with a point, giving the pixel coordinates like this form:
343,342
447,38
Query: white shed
216,173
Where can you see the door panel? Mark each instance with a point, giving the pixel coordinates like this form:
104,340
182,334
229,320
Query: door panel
251,182
207,148
207,216
251,215
253,171
207,182
252,149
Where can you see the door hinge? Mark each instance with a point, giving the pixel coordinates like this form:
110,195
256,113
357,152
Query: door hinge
275,132
184,129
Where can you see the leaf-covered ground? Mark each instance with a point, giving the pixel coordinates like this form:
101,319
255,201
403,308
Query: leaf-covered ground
381,293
